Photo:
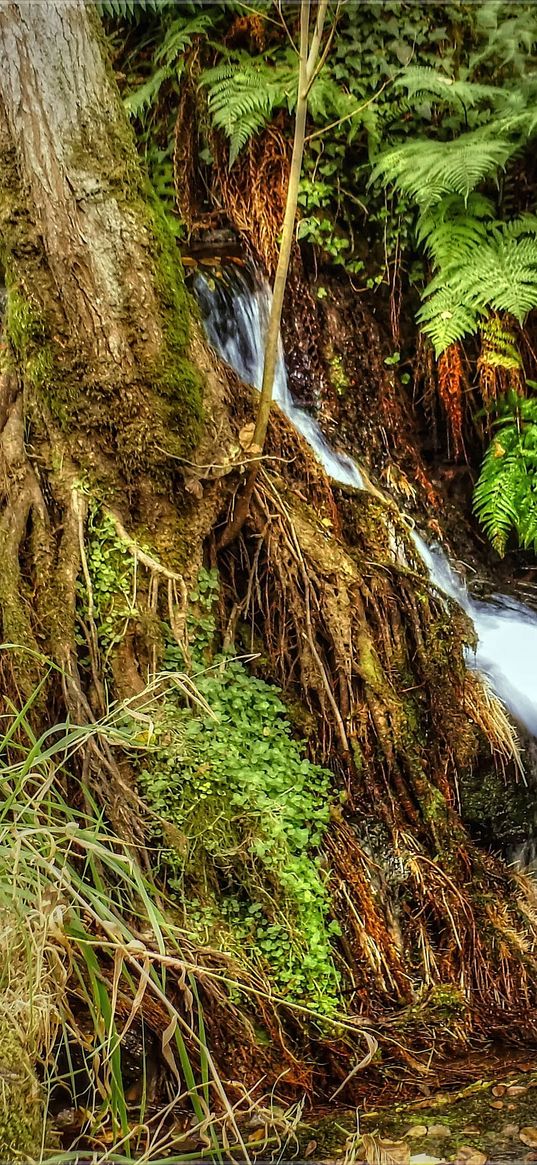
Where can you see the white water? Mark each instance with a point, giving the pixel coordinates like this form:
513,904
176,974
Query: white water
507,637
235,321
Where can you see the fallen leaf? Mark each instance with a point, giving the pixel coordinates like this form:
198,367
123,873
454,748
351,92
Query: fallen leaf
246,435
310,1148
439,1131
468,1129
467,1155
499,1090
258,1135
383,1152
416,1131
528,1136
496,1104
516,1090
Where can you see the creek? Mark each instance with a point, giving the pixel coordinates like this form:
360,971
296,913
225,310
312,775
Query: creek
235,314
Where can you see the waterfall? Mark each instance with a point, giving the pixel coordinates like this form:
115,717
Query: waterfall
235,315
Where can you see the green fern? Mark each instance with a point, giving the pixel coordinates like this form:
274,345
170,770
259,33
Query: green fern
427,170
421,83
481,266
505,496
243,95
132,9
168,58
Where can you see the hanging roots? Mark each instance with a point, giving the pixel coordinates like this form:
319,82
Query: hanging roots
252,193
436,945
450,386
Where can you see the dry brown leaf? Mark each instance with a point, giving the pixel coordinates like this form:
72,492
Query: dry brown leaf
383,1152
516,1090
246,435
499,1090
468,1155
528,1136
310,1148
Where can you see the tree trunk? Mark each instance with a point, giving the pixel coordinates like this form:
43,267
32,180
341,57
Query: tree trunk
100,395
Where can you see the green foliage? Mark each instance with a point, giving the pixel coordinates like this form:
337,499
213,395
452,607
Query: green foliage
505,496
111,574
481,265
242,814
167,60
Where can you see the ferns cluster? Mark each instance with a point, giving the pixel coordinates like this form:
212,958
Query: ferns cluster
505,497
479,262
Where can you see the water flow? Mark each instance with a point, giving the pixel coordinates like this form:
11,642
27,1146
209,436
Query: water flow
235,318
507,637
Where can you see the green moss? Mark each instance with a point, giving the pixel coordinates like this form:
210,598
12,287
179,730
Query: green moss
338,376
174,374
21,1109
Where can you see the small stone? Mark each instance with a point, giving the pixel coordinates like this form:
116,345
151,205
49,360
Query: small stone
416,1131
439,1131
528,1136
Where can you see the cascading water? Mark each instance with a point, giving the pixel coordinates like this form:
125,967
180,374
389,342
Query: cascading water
235,315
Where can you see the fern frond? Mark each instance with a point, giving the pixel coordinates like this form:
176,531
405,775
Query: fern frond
426,170
446,318
131,9
497,488
243,94
505,497
179,37
140,100
422,82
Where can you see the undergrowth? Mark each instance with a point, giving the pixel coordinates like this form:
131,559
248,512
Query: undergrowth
242,813
239,812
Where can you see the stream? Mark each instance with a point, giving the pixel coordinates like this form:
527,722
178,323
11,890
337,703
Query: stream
235,315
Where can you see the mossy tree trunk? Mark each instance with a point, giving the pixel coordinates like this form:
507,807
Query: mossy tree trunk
100,393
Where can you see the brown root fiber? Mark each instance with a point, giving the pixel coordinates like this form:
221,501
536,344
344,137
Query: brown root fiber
438,939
